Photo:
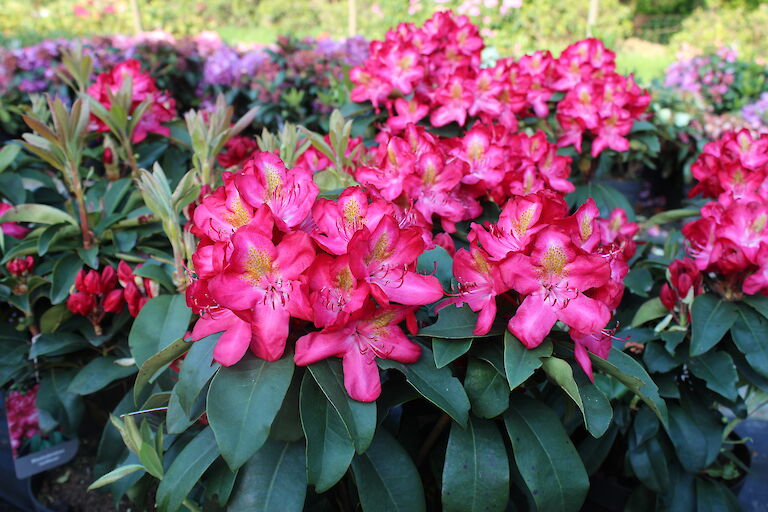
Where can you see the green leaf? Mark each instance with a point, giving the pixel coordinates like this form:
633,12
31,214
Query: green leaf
219,482
597,410
696,434
242,402
437,261
671,216
446,351
97,374
157,363
38,214
64,273
711,318
57,344
386,478
273,480
626,370
47,236
8,155
329,447
606,198
520,362
156,273
714,496
151,461
196,370
561,373
160,322
650,464
487,390
639,281
476,470
750,334
545,457
359,417
649,310
757,302
438,385
115,475
658,360
456,323
718,371
185,471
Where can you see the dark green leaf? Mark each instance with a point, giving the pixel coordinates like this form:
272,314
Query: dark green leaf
456,323
650,464
242,402
157,363
156,273
476,470
329,447
658,360
196,370
448,350
64,273
185,470
718,371
750,334
714,496
38,214
649,310
47,236
488,391
696,434
437,261
359,417
273,480
219,482
160,322
438,385
520,362
56,344
545,457
387,480
711,318
97,374
597,411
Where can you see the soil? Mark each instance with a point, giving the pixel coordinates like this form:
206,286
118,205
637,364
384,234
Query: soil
64,489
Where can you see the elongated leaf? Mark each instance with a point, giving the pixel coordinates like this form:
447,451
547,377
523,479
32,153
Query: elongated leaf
446,351
456,323
711,318
329,447
750,334
597,410
714,496
696,434
157,363
186,469
561,373
8,155
438,385
273,480
37,213
196,370
57,344
650,464
242,402
160,322
718,371
629,372
97,374
545,457
487,390
151,461
649,310
47,236
359,418
387,480
64,273
115,475
476,470
520,362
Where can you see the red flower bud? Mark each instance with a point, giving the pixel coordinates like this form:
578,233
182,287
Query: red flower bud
108,279
81,303
124,273
80,280
108,157
113,302
92,283
20,266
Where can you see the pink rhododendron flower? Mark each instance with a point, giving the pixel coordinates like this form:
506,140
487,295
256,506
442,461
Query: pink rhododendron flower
11,228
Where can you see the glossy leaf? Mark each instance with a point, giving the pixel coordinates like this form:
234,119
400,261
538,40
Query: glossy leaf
597,410
438,385
160,322
750,334
545,457
64,273
456,323
438,262
273,480
157,363
185,470
520,362
649,310
329,447
446,351
359,417
386,478
476,469
97,374
196,370
714,496
718,371
242,403
650,464
696,434
115,475
38,214
711,318
487,391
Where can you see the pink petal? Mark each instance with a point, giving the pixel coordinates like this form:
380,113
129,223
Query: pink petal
532,322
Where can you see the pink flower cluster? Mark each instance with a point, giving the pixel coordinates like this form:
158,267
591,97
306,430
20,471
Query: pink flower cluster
709,76
555,267
433,72
730,239
275,263
446,176
162,110
684,283
21,411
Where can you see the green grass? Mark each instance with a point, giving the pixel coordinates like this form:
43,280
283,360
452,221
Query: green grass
645,65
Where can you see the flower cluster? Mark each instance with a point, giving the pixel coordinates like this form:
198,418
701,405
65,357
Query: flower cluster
137,290
96,294
275,263
684,283
21,411
704,75
433,72
556,267
19,267
730,239
161,110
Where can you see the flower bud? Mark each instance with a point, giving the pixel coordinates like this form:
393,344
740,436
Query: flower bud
113,302
81,303
20,266
108,279
92,283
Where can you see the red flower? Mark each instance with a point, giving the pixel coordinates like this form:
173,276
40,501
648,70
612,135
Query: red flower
20,266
